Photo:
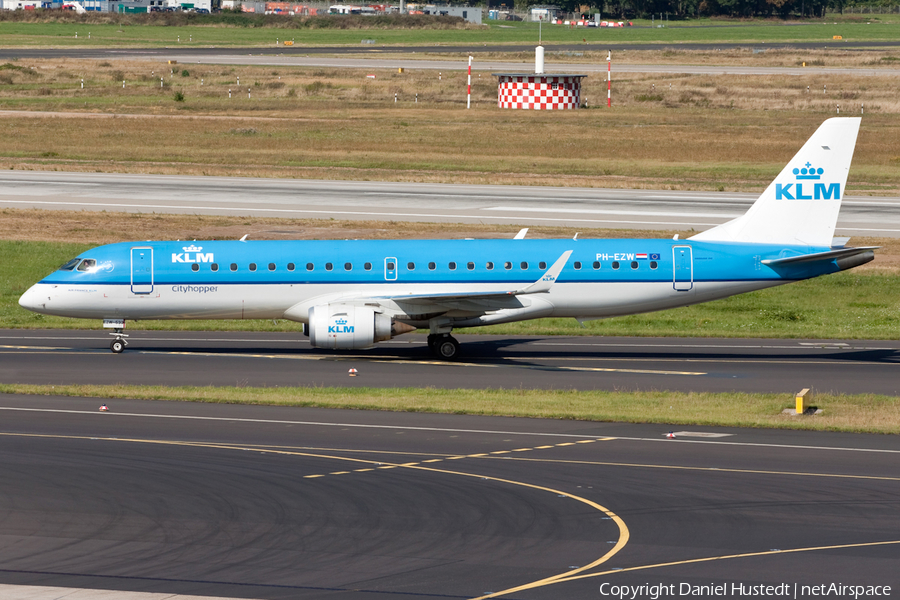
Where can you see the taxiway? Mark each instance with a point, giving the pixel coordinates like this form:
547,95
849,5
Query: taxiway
268,502
58,357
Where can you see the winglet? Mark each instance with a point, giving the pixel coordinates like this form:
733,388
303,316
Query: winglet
548,278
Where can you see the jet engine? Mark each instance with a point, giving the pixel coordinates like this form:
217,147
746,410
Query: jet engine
348,326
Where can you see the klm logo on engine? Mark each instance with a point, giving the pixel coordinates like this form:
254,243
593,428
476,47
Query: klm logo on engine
192,254
340,326
814,191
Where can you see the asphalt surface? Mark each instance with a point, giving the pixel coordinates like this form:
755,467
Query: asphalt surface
370,56
523,205
552,65
58,357
375,50
268,502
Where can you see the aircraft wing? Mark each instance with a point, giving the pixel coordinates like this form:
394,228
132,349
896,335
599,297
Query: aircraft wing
442,302
543,284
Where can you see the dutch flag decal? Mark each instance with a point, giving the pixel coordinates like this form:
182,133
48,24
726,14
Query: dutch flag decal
641,256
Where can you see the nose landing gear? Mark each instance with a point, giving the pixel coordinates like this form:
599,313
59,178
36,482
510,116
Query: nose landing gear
119,342
118,345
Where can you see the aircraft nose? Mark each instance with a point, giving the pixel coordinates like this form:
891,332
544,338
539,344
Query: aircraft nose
33,299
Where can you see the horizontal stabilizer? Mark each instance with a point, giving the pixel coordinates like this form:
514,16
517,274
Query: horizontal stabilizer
830,255
845,258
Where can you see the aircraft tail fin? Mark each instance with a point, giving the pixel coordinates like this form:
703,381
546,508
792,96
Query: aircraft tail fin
801,206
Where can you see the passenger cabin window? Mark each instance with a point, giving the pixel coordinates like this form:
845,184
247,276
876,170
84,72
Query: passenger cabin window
577,265
234,266
70,265
634,264
542,266
367,266
391,266
348,266
597,265
291,266
470,266
195,267
431,266
653,264
214,267
271,266
252,266
615,265
507,265
309,266
87,264
452,266
411,266
524,265
328,266
490,266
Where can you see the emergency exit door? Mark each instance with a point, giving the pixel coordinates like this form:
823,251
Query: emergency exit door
390,269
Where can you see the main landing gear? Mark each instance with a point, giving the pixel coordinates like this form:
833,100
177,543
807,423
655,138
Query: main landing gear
443,345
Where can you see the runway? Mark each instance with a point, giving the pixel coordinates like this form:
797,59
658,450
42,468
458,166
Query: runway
413,57
521,205
58,357
552,66
269,502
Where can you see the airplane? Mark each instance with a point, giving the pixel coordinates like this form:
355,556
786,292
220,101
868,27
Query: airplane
353,294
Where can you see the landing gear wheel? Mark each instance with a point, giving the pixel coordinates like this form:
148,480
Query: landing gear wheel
447,348
433,341
117,346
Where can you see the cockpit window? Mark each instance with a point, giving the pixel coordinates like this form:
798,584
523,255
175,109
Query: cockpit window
70,265
87,264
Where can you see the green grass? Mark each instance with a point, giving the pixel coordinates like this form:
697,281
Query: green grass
17,34
850,305
859,413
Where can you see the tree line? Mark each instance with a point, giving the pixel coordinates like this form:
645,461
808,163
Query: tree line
680,9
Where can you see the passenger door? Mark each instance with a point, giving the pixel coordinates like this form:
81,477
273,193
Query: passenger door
142,270
683,265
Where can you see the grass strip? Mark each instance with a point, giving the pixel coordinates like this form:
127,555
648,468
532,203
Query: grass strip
863,413
116,30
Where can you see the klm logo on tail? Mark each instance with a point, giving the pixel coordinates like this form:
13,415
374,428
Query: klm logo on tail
814,191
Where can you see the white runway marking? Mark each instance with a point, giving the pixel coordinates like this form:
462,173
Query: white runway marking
433,429
331,212
30,592
593,211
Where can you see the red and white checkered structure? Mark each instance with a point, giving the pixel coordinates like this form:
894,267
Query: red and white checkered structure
541,91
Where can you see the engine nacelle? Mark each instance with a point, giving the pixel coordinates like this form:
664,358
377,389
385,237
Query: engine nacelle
348,326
